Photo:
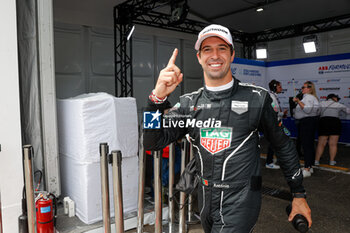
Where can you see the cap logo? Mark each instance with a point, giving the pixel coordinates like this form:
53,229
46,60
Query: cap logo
215,29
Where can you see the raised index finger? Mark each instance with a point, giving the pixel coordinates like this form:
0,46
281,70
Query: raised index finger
173,57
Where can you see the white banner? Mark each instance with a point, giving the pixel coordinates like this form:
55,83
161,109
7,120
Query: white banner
328,77
248,71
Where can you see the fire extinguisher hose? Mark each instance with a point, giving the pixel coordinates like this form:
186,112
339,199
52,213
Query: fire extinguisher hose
54,199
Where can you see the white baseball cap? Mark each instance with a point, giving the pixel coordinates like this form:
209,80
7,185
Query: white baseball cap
214,30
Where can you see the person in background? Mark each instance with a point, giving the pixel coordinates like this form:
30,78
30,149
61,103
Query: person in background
275,88
329,127
292,106
307,111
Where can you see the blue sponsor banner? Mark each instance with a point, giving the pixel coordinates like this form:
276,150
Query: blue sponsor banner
289,123
335,57
243,61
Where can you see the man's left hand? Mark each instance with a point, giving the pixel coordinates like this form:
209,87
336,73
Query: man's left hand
300,206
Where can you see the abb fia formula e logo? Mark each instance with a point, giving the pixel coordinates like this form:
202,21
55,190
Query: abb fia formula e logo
215,140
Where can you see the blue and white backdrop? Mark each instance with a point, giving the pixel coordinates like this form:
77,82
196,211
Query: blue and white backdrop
331,74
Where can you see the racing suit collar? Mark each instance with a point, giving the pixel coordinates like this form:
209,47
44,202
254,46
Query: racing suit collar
217,95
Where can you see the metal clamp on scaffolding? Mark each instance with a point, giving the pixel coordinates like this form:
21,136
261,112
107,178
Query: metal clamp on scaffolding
118,191
105,187
28,177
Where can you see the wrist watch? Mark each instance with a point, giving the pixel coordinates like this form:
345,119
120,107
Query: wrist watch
299,195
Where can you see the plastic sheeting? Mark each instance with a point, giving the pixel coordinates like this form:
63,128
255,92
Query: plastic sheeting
83,123
87,120
29,79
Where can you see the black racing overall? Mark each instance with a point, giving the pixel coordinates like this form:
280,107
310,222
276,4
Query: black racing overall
223,127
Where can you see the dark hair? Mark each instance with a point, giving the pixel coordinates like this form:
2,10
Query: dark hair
273,85
331,96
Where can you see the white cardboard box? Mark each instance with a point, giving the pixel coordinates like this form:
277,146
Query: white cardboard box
90,119
82,183
83,123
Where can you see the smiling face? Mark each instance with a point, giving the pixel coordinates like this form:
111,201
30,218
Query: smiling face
215,58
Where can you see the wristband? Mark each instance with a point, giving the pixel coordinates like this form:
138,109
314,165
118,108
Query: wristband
299,195
156,99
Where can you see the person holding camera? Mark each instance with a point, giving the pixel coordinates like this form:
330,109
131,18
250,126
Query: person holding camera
307,111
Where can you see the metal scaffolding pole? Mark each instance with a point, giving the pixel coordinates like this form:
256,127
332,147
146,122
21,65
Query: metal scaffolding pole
142,174
171,186
118,191
105,187
28,175
158,191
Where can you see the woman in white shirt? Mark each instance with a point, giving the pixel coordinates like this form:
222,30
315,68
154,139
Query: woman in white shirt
307,112
329,127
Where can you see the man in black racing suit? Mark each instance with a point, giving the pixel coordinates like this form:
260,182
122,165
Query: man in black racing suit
222,121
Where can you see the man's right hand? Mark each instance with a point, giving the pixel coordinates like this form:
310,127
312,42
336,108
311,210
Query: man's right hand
169,78
300,206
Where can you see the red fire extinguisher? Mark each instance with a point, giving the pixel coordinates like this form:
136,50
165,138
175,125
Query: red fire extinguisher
45,213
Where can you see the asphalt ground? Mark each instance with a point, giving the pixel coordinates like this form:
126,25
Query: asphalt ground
328,195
